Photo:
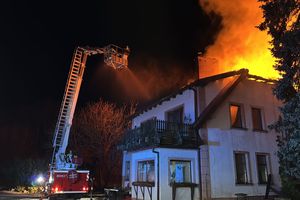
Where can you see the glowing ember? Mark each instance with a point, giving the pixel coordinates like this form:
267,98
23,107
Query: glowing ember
240,44
292,19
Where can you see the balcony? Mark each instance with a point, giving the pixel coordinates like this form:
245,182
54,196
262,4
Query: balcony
159,133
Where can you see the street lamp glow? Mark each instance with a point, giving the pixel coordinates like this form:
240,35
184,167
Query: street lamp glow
40,179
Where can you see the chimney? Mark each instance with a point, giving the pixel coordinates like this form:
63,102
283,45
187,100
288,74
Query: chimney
207,66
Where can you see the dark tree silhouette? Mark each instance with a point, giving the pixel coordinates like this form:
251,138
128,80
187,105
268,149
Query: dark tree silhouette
96,132
282,21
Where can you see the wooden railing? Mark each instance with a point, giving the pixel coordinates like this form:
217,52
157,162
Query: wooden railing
159,133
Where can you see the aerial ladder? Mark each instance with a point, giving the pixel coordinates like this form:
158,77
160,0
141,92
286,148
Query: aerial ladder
63,175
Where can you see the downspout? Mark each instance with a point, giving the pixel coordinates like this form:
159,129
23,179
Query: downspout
157,152
199,156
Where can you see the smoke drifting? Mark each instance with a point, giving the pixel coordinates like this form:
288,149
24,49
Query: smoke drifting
132,85
150,81
144,81
160,77
240,44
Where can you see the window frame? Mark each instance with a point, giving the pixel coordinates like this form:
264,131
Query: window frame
243,120
127,164
180,160
137,170
268,165
248,168
262,116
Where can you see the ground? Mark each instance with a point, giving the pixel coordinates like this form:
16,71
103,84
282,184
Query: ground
4,194
9,195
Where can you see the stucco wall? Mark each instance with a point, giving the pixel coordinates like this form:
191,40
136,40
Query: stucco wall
214,87
166,155
222,145
186,99
249,94
223,140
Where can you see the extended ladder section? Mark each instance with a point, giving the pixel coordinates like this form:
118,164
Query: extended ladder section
62,129
115,57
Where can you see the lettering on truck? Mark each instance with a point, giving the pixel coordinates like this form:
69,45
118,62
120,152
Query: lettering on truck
61,175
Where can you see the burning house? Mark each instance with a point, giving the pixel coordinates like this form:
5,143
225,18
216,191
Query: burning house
208,140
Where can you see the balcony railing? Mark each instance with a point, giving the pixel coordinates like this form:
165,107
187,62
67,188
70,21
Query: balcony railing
155,133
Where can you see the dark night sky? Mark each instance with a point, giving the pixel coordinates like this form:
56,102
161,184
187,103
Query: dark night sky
37,39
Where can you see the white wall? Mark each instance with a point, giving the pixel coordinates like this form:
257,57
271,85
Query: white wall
213,88
186,99
180,154
135,158
223,140
165,154
249,94
222,145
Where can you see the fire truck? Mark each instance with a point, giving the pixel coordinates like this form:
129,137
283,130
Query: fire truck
64,177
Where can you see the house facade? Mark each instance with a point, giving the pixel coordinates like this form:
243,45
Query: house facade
208,140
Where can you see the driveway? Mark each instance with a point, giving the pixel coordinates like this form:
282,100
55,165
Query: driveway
16,195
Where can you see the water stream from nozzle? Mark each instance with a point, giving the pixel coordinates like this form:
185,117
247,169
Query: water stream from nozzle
132,85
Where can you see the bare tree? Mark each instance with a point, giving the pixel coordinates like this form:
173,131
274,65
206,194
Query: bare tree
96,132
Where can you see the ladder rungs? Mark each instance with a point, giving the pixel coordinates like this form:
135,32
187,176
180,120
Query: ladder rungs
70,93
76,65
70,90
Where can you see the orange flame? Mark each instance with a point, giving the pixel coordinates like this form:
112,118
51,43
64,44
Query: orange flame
240,44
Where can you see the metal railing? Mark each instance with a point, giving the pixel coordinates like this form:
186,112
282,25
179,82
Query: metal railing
159,133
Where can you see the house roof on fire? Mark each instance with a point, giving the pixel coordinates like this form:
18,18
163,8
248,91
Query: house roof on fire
212,106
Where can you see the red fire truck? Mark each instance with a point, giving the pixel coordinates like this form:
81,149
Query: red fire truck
73,181
64,178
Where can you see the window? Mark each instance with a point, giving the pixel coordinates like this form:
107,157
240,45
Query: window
127,170
242,168
175,115
257,119
262,168
146,171
236,116
180,171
